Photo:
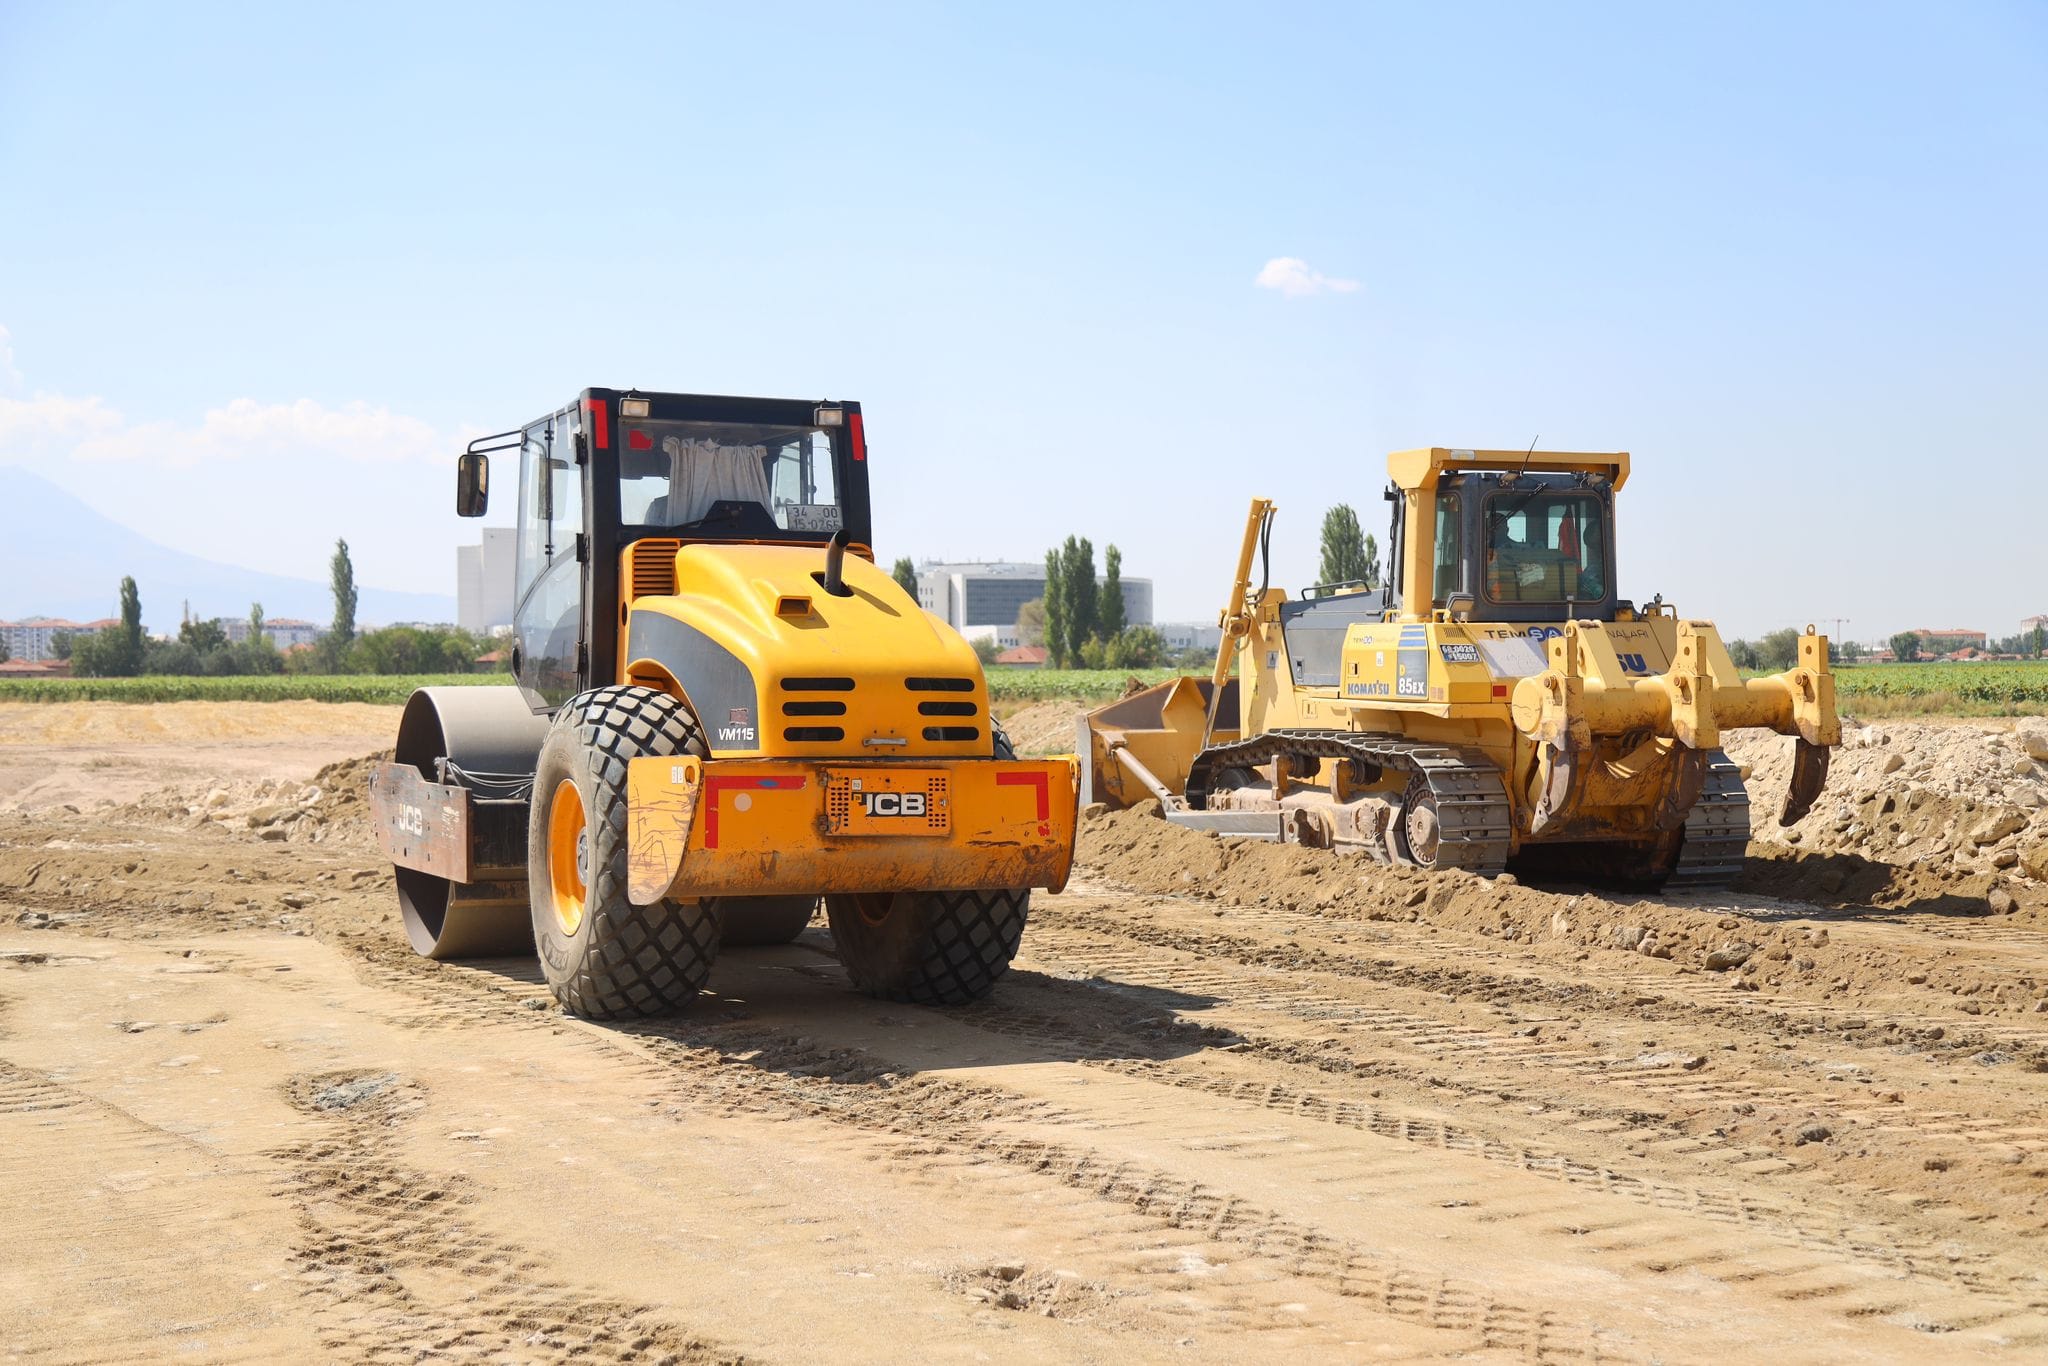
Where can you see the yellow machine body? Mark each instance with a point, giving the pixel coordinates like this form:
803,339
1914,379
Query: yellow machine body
1593,737
721,719
855,701
733,826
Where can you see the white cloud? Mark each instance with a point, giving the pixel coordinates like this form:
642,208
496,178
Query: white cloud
59,426
9,376
1291,276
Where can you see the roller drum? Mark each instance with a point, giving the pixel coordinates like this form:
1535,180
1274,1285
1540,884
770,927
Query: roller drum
491,736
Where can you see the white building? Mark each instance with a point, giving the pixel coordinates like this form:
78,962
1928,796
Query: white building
1191,635
982,598
31,638
484,578
285,632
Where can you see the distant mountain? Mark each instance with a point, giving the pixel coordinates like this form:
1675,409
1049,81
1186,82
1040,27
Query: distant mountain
59,558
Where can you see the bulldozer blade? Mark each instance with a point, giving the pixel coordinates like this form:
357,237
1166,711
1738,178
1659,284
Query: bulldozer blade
1809,776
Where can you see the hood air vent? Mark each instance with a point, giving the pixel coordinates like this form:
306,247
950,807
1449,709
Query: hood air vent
652,571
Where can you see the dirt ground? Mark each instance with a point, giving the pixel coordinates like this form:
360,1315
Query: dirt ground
1235,1102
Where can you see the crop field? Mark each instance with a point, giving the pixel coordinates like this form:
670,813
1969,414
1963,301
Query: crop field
2009,688
1005,685
379,689
1059,685
1899,689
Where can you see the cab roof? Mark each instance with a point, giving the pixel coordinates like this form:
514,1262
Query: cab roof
1423,467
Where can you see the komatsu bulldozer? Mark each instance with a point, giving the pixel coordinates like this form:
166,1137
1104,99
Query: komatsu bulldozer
1496,705
723,712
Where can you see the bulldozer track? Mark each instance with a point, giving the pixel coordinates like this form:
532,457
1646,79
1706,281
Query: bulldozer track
1716,830
1474,818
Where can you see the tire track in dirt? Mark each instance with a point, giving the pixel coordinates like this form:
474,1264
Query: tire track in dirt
394,1269
1489,1064
739,1067
1854,1233
1495,977
963,1125
1865,1229
943,1122
132,1214
736,1066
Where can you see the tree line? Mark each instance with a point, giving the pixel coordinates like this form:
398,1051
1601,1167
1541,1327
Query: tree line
122,650
1080,619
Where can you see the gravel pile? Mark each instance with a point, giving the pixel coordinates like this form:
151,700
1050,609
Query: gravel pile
1962,796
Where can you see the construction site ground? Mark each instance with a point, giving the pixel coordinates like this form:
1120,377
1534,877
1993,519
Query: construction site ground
1236,1102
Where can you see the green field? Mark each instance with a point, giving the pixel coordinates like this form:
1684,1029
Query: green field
1873,689
389,689
1879,689
1005,685
1970,689
1055,685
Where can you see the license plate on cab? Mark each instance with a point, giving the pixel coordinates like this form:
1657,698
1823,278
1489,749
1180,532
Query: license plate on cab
888,802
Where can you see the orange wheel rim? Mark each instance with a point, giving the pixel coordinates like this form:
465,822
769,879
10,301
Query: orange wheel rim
568,856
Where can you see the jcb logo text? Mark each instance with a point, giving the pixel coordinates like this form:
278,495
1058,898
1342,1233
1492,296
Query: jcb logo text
892,803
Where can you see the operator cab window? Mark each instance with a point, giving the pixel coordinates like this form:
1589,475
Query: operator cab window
725,478
1545,547
1450,548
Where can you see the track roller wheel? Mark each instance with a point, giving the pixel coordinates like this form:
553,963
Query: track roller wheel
603,956
1417,832
928,948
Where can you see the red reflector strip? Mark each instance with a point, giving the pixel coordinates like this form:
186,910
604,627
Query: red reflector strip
637,440
1500,690
1043,789
600,424
860,437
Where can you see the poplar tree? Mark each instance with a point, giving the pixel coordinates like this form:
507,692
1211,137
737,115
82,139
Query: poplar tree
1110,611
1055,611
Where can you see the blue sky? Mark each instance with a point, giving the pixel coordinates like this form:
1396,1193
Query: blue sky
263,267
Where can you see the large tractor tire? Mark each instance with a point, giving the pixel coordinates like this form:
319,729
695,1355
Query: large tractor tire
747,922
603,956
928,948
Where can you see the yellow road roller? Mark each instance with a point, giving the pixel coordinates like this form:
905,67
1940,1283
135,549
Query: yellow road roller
720,712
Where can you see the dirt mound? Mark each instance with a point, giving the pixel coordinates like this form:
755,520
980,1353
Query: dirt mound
1043,728
1721,933
1941,802
335,805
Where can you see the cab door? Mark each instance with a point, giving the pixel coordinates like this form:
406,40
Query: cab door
549,619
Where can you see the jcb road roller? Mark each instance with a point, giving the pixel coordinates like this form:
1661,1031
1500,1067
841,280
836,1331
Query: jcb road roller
721,712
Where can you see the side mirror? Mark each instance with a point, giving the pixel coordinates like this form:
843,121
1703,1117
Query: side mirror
472,484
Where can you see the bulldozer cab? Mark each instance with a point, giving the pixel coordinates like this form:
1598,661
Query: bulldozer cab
1506,536
618,467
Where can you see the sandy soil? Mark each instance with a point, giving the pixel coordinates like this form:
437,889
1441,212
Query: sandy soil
84,754
1235,1102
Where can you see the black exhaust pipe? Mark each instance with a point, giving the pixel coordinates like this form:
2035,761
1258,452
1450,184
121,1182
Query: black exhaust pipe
835,566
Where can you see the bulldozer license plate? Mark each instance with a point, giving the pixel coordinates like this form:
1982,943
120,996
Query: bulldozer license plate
888,802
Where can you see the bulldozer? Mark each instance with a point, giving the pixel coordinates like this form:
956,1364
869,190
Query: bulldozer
1495,706
720,713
